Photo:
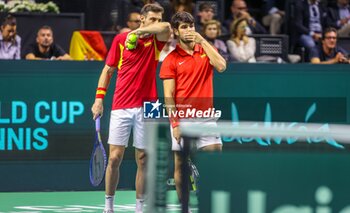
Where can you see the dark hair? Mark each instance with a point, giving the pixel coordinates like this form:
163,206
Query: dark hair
327,30
156,8
45,27
205,6
129,16
188,5
9,20
184,17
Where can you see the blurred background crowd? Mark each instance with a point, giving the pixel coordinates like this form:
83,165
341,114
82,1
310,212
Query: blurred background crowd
274,31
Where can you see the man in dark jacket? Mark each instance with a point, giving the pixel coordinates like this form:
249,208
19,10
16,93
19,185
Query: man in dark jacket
239,9
339,18
310,19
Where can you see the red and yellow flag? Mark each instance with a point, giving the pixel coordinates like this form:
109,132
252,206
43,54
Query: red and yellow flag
87,45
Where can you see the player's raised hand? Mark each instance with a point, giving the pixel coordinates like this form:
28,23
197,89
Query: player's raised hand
194,36
198,38
131,40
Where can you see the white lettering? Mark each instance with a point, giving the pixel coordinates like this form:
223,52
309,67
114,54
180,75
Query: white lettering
257,202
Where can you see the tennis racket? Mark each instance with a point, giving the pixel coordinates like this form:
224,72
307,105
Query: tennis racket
194,174
98,160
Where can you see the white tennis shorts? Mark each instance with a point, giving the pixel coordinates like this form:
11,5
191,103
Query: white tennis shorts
121,123
203,141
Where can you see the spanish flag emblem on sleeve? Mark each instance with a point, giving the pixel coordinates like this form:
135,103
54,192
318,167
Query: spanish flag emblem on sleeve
87,45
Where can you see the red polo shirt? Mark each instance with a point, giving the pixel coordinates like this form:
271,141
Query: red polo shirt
193,76
136,79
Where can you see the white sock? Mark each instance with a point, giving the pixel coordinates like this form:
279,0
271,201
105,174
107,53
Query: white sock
109,202
139,204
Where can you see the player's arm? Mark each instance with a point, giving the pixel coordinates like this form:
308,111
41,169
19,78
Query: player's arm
215,58
103,82
169,91
161,30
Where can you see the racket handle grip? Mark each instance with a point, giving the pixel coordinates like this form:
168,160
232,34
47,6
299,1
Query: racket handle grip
97,124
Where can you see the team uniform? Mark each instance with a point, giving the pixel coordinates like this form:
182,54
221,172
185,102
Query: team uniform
136,83
193,76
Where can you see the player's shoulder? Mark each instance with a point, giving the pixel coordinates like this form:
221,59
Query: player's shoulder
175,52
171,57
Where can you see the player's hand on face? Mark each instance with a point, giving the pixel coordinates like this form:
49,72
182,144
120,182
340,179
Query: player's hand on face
177,134
198,38
97,108
194,36
189,36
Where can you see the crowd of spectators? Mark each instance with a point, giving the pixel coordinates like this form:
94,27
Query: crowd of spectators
313,28
43,48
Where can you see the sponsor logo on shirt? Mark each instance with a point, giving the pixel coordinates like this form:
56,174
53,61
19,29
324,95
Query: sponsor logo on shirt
148,43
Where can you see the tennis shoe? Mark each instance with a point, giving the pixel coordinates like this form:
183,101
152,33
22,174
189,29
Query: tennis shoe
108,211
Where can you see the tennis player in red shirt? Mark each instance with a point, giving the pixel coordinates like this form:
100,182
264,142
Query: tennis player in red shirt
187,74
136,82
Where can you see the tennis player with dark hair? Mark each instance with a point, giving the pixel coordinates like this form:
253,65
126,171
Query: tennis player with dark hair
187,74
136,82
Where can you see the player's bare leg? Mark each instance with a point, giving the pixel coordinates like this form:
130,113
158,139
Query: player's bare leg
116,154
140,157
178,163
177,173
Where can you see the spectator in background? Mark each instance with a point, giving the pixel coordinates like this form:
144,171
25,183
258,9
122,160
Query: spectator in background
241,47
211,31
45,48
10,42
339,18
239,9
206,13
310,19
183,5
133,22
166,4
123,9
274,17
328,52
